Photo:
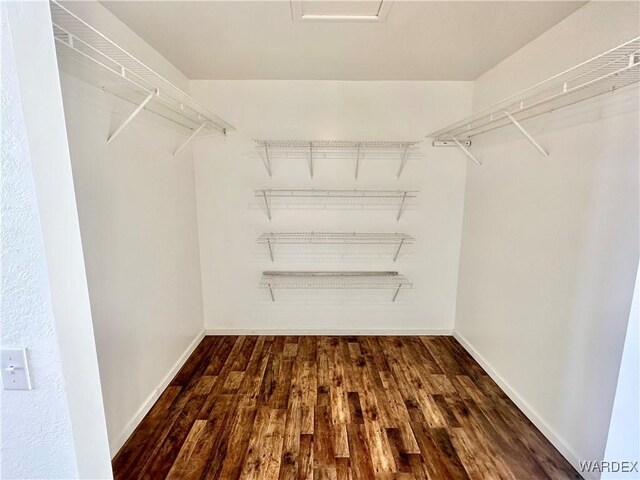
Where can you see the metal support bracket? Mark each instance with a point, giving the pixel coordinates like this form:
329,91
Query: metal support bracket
395,295
270,249
466,151
403,160
526,134
404,198
311,159
127,120
267,161
266,203
357,160
273,298
191,137
395,257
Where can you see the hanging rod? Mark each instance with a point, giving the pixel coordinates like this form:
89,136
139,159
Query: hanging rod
334,238
340,280
357,150
402,195
111,66
605,73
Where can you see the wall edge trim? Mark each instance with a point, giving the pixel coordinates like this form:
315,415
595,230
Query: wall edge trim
329,331
555,439
116,444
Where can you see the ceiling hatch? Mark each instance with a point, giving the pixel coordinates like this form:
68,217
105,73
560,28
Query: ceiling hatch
340,11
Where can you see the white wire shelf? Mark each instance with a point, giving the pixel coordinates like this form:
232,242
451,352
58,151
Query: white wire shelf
334,238
605,73
317,280
89,54
354,150
402,196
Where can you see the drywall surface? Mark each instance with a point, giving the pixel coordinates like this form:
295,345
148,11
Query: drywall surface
623,444
230,218
41,100
101,19
137,209
591,30
26,310
550,245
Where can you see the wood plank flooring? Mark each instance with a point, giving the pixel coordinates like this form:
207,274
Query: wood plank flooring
336,408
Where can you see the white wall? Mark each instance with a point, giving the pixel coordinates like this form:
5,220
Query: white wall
591,30
230,219
26,452
113,28
550,246
545,270
58,429
623,442
137,211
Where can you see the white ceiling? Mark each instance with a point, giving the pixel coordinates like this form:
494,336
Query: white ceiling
419,40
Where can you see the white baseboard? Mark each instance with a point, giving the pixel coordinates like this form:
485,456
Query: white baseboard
116,443
529,412
331,331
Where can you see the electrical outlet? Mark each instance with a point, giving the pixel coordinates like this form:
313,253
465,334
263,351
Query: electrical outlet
15,369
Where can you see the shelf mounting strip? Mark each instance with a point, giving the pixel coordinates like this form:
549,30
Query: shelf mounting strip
605,73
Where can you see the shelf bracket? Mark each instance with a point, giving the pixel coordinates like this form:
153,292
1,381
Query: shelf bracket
357,160
266,203
267,161
127,120
526,134
395,257
466,151
395,295
404,198
311,159
191,137
403,161
273,298
270,249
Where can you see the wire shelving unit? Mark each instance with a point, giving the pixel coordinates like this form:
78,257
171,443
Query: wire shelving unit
357,151
93,56
334,238
402,196
605,73
340,280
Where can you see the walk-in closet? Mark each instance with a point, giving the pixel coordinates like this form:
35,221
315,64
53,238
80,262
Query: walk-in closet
311,239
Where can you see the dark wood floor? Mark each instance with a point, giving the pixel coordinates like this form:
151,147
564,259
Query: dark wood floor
336,408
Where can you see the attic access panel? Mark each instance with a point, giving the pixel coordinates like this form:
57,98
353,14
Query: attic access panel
347,11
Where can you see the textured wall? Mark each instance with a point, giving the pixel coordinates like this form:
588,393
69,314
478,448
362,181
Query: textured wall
36,437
